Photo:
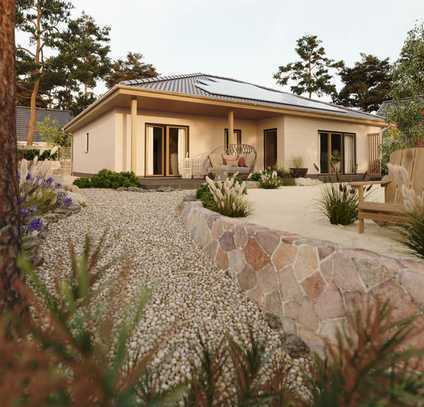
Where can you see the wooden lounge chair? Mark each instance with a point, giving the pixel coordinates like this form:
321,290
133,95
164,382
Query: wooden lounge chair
392,211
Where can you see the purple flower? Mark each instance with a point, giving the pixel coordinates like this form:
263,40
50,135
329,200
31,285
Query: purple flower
24,212
67,201
35,225
48,181
29,177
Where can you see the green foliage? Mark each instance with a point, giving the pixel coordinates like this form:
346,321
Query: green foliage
339,204
205,195
30,154
108,179
297,162
409,69
269,180
83,59
413,231
391,142
84,341
311,72
50,131
367,84
255,176
229,196
132,68
369,365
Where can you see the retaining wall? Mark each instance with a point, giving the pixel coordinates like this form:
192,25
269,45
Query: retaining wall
310,285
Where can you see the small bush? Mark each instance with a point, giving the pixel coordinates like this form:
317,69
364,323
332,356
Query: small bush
269,180
229,196
340,204
108,179
205,196
255,176
413,229
30,154
414,233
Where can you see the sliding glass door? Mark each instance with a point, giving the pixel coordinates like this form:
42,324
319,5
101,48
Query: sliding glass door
166,148
337,152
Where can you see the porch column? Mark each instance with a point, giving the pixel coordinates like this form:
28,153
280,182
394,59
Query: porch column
231,127
134,108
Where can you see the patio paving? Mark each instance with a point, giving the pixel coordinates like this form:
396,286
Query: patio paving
296,210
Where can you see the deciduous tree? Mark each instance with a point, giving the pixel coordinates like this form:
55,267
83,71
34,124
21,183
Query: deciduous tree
311,73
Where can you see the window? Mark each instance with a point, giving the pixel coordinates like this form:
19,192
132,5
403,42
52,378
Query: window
337,152
237,133
87,142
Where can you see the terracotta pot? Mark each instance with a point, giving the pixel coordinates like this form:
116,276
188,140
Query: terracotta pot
298,172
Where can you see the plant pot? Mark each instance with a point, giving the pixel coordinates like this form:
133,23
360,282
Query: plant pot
298,172
420,143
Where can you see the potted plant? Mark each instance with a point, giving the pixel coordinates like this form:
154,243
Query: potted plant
298,171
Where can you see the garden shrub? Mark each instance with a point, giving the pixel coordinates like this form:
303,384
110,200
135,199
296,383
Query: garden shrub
31,154
413,229
38,193
269,180
205,196
255,176
229,196
108,179
339,203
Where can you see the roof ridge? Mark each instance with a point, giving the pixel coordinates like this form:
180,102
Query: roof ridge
44,108
161,78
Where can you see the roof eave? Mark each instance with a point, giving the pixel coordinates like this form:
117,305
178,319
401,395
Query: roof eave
140,91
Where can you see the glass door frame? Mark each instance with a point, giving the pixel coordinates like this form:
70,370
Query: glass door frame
342,152
165,147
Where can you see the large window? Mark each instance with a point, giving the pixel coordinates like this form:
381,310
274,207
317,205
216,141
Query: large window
337,152
166,148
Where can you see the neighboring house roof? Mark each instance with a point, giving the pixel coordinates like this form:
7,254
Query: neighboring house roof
22,118
232,90
382,110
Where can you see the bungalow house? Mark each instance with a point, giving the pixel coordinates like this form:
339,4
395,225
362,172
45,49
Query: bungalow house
151,126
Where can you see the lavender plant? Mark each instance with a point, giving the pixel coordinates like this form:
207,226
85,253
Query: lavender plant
230,196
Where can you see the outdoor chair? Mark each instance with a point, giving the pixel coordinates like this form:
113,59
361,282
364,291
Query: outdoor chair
392,211
231,159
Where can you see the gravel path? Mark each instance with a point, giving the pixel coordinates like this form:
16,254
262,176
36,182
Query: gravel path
188,292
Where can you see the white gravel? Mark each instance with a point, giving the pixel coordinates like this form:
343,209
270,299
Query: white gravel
189,294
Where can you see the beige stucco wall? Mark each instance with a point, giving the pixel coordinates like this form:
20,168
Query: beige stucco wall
110,138
302,139
102,153
205,133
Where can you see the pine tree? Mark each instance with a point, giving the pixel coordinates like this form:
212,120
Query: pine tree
83,60
311,73
9,207
131,68
41,20
367,84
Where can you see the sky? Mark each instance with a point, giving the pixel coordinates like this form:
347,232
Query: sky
249,39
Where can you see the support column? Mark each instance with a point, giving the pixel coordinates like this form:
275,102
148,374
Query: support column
134,108
231,127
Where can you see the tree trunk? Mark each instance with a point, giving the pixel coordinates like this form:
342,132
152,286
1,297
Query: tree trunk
37,73
9,205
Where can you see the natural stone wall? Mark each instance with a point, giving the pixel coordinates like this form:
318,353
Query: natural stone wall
310,285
